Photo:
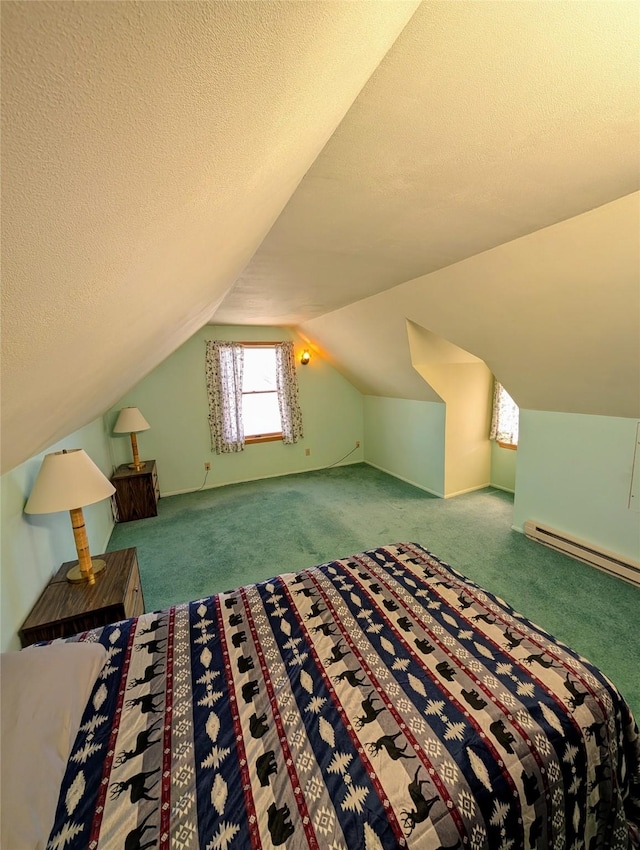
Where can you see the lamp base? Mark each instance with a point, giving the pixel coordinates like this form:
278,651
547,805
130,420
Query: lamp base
75,576
137,466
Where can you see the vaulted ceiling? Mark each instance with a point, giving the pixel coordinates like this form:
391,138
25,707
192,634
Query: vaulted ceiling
169,164
485,122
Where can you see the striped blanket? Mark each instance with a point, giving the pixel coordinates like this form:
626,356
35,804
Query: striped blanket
378,701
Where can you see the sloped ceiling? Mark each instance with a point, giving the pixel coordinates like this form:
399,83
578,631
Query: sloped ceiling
485,122
149,149
479,186
555,315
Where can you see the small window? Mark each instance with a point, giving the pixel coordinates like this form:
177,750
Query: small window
505,419
260,407
252,391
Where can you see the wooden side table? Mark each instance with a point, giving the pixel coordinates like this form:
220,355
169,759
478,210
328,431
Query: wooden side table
137,491
66,609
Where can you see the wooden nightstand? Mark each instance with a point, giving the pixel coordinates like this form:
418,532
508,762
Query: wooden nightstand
137,492
65,609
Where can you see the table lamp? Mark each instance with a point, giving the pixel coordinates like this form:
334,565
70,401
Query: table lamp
129,421
67,481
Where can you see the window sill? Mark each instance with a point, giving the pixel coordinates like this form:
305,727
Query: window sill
262,438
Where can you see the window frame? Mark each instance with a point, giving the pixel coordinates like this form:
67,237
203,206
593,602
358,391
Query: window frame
272,436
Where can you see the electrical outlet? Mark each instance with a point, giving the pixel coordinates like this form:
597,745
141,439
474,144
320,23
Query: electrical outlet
207,465
307,452
357,444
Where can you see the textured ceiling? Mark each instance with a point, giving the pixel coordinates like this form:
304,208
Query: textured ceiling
168,164
555,315
485,122
147,149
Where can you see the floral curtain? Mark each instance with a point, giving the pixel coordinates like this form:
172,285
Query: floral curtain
224,365
287,386
505,417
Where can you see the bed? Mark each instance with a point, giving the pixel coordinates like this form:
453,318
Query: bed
377,701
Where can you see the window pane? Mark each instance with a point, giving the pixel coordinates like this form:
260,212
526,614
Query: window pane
261,414
259,369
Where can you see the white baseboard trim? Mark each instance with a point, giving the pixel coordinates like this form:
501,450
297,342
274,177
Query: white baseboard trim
320,468
257,478
406,480
426,489
504,489
468,490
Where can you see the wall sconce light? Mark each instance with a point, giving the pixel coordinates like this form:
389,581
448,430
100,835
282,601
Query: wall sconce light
305,357
129,421
67,481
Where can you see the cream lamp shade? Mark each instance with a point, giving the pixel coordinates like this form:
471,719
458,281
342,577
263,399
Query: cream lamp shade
67,481
129,421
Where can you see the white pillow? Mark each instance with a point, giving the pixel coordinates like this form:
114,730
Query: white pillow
43,694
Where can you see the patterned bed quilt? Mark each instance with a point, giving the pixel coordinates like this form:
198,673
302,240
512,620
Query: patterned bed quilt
378,701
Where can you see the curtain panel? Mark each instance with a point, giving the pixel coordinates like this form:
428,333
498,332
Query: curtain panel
224,370
505,417
287,386
224,367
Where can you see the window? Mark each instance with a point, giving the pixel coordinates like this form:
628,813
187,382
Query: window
253,394
260,408
504,419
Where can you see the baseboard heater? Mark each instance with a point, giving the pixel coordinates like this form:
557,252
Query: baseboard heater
609,562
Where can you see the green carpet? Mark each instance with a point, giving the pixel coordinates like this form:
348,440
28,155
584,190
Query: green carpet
202,543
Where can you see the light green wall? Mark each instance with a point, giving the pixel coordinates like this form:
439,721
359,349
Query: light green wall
406,439
173,399
34,546
574,474
574,471
503,467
